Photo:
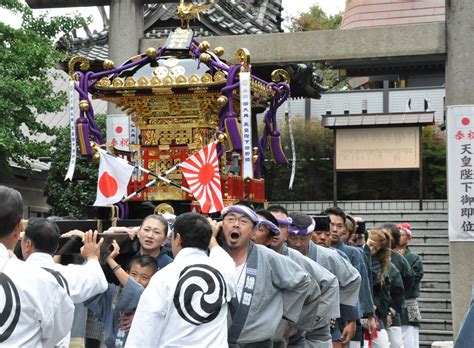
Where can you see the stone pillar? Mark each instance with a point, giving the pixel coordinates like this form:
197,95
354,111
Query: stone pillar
460,91
125,32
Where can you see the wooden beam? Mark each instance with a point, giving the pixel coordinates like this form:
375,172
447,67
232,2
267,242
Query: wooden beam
43,4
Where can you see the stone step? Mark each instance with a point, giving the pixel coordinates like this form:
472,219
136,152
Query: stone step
429,336
429,248
402,216
435,265
416,227
440,239
436,313
428,344
436,273
430,292
436,324
434,302
434,255
435,283
388,215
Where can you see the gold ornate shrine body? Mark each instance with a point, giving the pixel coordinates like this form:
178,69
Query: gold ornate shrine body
175,107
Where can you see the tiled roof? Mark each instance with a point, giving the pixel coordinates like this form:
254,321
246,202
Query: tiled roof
226,17
61,119
368,120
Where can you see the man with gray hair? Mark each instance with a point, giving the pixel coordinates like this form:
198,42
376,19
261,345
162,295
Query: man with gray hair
37,311
270,286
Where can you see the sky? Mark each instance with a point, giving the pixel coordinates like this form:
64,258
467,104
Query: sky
291,8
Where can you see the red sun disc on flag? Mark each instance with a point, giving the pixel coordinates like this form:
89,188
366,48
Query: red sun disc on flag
465,121
108,185
118,129
206,174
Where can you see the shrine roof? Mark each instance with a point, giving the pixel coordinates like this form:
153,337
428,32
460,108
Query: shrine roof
224,18
379,120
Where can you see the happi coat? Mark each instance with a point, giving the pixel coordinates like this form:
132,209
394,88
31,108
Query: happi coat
275,288
80,281
36,310
173,312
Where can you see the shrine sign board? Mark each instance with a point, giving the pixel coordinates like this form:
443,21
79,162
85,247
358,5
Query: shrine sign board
377,148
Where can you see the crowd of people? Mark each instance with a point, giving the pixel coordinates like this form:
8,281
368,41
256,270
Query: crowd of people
252,278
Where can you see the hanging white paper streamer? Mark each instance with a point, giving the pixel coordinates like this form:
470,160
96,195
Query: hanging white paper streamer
293,149
72,129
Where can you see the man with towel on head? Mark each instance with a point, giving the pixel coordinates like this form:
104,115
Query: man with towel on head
269,286
299,238
328,304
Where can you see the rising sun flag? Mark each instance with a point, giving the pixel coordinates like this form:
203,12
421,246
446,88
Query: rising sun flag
201,172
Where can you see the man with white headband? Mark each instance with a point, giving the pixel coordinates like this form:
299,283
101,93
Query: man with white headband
269,286
299,238
328,306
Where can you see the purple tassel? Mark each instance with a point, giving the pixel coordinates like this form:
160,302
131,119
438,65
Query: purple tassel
233,132
276,149
82,131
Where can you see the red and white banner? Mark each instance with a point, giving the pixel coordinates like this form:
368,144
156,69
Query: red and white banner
460,153
114,175
118,131
201,172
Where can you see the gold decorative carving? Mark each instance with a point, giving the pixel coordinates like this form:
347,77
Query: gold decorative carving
84,105
155,81
204,46
164,208
143,82
193,79
206,78
84,65
181,80
130,82
168,81
205,58
117,82
104,82
151,52
221,101
280,75
219,51
219,77
243,57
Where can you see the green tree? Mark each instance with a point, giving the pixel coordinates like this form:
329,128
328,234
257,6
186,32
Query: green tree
434,163
315,19
72,198
314,161
28,56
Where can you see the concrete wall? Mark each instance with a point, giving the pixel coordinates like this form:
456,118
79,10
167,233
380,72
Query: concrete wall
337,102
417,40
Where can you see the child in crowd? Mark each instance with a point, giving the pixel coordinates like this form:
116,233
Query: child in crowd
115,307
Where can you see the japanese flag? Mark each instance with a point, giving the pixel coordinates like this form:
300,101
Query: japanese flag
114,175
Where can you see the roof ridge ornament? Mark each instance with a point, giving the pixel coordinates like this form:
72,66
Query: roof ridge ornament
187,11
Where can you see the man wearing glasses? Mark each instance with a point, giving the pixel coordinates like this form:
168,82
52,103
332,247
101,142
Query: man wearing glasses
269,286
